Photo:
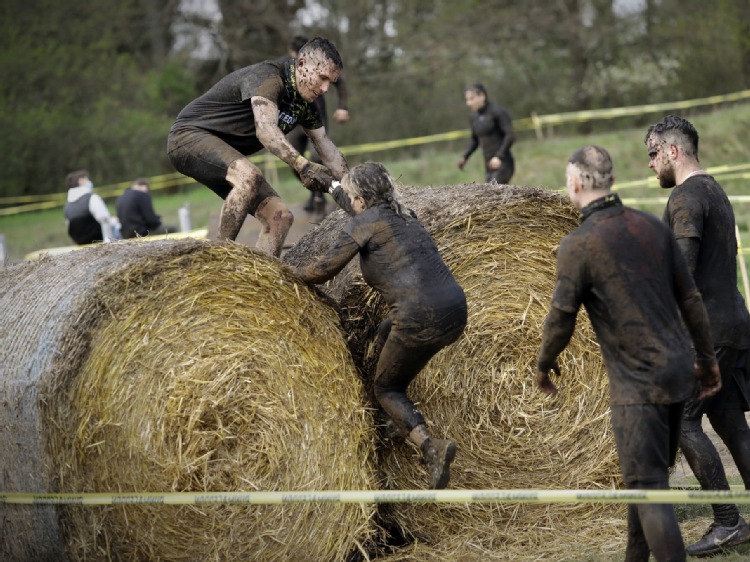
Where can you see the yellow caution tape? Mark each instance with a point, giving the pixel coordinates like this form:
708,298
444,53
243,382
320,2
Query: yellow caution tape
535,122
388,496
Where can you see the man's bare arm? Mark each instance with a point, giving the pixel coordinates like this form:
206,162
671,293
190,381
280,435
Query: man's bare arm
329,152
267,129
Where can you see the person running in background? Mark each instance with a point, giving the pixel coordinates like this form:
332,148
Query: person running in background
135,211
625,267
492,129
246,111
427,307
316,203
702,219
87,218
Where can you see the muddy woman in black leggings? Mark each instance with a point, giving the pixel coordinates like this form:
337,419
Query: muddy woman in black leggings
427,307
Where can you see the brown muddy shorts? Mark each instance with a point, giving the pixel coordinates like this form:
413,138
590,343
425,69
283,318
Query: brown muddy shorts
206,158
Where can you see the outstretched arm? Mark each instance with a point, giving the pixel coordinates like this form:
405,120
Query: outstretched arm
266,115
328,152
341,198
325,267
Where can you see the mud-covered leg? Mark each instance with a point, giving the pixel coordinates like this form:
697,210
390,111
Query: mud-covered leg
276,220
245,179
705,462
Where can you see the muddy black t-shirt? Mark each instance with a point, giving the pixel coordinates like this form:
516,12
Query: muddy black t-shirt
699,208
625,268
489,129
225,110
399,259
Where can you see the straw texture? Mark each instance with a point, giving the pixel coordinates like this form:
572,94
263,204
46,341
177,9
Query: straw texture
500,242
187,366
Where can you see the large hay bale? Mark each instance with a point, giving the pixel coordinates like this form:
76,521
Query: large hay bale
177,366
500,242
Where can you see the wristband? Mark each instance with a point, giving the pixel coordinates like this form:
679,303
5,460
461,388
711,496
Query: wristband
333,186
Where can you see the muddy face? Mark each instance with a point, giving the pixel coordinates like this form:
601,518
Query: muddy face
659,162
314,75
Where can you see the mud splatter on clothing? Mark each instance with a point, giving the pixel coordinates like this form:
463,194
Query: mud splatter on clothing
625,268
700,209
427,307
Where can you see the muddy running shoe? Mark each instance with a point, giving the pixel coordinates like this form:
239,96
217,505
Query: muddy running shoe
718,537
438,455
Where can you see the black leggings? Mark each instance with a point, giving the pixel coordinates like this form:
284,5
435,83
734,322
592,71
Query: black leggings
726,413
400,362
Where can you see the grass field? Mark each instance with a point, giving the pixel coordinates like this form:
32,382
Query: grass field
538,163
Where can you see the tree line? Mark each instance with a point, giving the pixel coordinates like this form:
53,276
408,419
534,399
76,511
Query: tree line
97,85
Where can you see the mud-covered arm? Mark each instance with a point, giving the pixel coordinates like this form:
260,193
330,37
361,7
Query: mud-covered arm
566,301
325,267
329,153
690,303
558,329
266,115
341,198
690,248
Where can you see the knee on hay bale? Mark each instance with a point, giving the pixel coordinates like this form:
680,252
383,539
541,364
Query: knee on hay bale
179,366
500,243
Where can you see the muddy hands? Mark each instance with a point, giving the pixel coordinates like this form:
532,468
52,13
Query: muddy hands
316,177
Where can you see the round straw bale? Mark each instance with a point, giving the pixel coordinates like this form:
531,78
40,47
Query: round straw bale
500,242
178,366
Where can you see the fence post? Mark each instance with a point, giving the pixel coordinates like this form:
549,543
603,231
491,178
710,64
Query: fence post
743,267
3,250
184,215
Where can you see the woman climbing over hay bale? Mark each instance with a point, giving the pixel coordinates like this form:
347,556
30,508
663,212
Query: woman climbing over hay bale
187,366
427,308
500,244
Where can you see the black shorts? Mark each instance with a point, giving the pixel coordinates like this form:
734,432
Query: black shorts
206,158
647,437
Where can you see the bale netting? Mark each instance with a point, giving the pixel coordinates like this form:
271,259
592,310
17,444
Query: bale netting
500,242
173,366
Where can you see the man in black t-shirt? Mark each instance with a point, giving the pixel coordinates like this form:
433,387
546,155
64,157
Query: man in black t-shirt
702,219
246,111
297,137
625,268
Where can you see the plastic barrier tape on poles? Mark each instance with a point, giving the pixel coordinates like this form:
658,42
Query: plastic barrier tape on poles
39,202
680,496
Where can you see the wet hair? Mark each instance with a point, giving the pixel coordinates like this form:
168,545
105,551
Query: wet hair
374,184
297,42
71,180
326,47
477,89
594,167
678,131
